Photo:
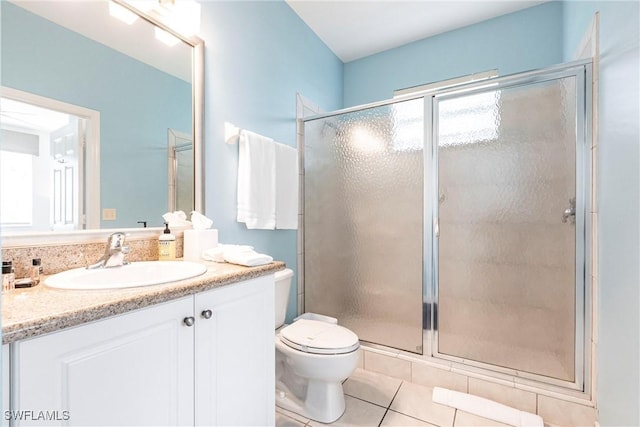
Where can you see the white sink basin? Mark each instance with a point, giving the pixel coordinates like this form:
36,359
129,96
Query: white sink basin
145,273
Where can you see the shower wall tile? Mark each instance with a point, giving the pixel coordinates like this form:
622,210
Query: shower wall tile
594,179
385,351
301,156
299,128
594,276
481,374
552,391
510,396
594,308
437,377
301,193
524,394
594,370
561,412
299,106
391,366
310,111
594,244
304,108
300,274
300,235
360,359
300,304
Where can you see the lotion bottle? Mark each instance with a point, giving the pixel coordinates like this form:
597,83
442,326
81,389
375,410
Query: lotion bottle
166,245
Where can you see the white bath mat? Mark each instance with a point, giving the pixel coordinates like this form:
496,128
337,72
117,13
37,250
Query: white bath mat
486,408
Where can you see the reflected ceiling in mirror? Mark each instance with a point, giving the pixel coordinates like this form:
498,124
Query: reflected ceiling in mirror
77,54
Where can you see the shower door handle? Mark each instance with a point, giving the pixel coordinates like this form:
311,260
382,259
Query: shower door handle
569,214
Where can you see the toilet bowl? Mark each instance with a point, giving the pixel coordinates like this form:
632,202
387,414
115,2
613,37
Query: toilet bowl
314,355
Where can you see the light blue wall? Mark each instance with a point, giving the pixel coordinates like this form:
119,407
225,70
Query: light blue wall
618,356
525,40
137,103
258,55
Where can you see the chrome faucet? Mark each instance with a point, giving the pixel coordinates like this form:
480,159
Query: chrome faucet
114,253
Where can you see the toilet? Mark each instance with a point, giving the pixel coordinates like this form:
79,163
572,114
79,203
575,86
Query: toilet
314,355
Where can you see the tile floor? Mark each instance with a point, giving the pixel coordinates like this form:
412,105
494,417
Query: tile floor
378,400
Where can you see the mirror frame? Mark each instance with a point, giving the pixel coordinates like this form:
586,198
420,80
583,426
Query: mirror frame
197,96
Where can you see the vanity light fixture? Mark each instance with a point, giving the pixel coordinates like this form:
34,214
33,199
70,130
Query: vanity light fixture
185,17
122,13
182,16
165,37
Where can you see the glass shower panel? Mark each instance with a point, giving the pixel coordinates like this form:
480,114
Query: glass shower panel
363,222
184,178
506,253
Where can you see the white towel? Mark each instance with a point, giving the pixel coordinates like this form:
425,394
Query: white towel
216,253
246,257
236,254
486,408
256,181
286,187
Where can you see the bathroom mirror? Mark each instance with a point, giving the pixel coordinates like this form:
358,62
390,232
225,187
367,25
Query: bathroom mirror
111,162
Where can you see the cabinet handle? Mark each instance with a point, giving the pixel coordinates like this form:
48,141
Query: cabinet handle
189,321
206,314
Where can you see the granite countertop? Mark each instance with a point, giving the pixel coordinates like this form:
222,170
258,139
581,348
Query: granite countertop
39,310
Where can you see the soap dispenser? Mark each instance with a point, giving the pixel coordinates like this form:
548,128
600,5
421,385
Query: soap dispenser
166,245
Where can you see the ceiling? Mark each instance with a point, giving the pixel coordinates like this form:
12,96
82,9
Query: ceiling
355,29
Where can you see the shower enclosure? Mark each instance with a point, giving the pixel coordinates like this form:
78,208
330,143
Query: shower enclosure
452,224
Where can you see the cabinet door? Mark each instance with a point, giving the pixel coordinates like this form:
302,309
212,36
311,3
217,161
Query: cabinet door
235,355
132,369
6,383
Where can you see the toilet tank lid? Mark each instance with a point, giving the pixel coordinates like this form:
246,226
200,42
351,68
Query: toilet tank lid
283,274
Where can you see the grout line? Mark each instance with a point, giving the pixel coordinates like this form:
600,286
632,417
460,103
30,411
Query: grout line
396,393
390,403
383,415
363,400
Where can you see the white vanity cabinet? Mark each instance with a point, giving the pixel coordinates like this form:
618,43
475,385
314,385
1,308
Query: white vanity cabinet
5,384
206,359
235,355
132,369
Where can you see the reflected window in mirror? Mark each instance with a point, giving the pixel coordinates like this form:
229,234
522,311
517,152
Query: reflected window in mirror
16,188
42,155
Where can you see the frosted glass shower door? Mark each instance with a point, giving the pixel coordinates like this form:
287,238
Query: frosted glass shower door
506,252
363,221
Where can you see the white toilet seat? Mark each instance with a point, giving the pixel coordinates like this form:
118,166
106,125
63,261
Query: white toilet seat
317,337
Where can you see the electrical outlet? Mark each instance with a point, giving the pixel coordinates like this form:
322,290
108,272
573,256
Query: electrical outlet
108,214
